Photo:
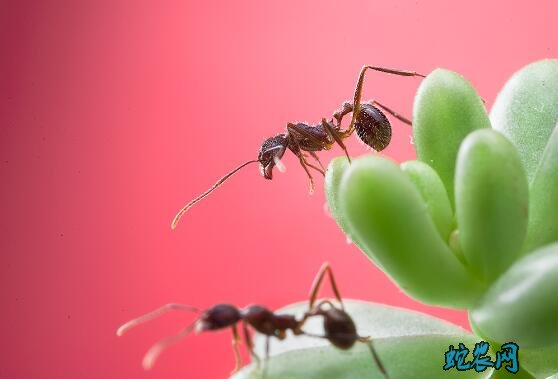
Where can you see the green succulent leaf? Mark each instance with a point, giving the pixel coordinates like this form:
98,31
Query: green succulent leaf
543,221
541,362
334,174
409,344
492,198
526,111
521,306
446,109
387,214
433,193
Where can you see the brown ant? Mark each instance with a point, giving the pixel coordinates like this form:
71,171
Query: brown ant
371,124
339,327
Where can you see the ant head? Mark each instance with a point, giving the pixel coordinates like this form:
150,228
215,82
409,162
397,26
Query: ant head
270,154
218,317
373,127
339,328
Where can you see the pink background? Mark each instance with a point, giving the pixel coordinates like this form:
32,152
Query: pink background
113,114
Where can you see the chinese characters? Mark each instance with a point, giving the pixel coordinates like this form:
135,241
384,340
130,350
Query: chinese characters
456,358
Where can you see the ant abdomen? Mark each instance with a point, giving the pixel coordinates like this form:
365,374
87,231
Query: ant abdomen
373,127
339,328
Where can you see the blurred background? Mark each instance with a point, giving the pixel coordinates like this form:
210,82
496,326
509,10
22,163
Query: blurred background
113,114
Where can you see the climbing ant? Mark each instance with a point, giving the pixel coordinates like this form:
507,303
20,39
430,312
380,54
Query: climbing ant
339,327
371,124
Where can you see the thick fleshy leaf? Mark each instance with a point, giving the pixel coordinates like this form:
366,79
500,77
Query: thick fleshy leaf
542,362
526,110
334,174
446,109
543,221
409,344
491,199
388,215
433,193
521,306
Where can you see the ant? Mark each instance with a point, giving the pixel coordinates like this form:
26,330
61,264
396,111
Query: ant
339,327
370,123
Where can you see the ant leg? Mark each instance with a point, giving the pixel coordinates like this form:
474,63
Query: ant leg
336,136
358,90
314,167
303,164
235,341
266,359
250,344
315,156
368,342
325,269
393,113
154,314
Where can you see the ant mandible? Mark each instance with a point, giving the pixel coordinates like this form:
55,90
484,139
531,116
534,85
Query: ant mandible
339,327
371,124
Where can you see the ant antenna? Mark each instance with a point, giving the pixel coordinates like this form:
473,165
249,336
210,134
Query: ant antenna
203,195
151,315
156,350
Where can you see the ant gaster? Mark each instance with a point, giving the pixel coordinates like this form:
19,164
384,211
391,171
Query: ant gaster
370,123
339,327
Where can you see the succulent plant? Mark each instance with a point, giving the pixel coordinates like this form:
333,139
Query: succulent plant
471,224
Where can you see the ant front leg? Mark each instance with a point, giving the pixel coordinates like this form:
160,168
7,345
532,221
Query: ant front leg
358,90
316,285
250,344
296,135
315,156
235,342
304,164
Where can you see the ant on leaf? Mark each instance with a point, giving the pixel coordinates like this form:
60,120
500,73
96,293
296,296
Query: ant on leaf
370,123
339,327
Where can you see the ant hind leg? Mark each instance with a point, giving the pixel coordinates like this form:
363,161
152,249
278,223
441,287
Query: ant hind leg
358,90
318,280
393,113
368,342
